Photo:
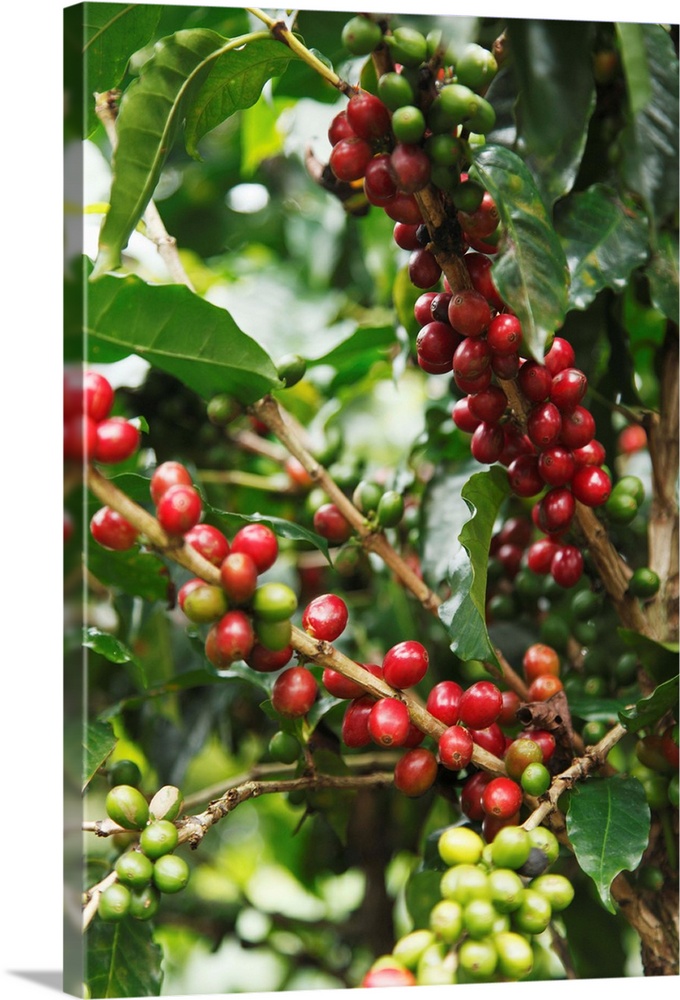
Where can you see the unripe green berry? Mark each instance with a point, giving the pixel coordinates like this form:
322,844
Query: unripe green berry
476,67
644,582
134,869
515,955
410,947
546,841
274,602
166,804
159,838
510,847
292,367
144,903
273,635
124,772
222,409
446,920
114,903
408,124
205,604
460,845
390,509
284,748
557,889
394,90
170,873
127,806
535,779
407,45
361,35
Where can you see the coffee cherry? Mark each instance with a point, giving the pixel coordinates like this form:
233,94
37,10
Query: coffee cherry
407,46
294,692
204,603
535,779
325,617
361,35
379,182
388,722
471,360
524,477
166,804
179,509
560,356
463,417
158,838
368,116
443,702
234,637
435,345
340,686
144,903
489,404
458,845
355,731
455,747
222,409
332,524
408,125
405,664
556,510
538,659
480,705
209,541
340,128
591,485
556,464
487,443
568,388
502,798
116,440
97,396
505,332
238,575
519,755
533,914
124,772
540,554
114,903
511,847
284,748
274,602
423,269
476,67
478,959
388,976
127,807
266,660
566,567
134,869
349,158
515,955
471,795
415,772
259,542
390,509
395,91
534,381
544,424
469,313
644,582
170,873
544,687
578,428
166,475
404,208
405,236
112,531
631,439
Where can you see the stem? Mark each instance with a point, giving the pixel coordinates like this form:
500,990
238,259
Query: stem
282,33
235,477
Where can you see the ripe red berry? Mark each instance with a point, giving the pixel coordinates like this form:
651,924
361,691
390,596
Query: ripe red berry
455,748
591,485
545,740
340,128
471,359
117,439
179,509
561,355
379,184
556,510
355,731
487,443
410,166
469,313
332,524
539,555
422,309
479,268
259,542
267,661
505,366
340,686
209,541
294,692
480,705
238,574
368,116
524,477
491,739
534,380
405,664
510,557
489,404
556,465
568,388
516,531
166,475
508,713
423,269
350,158
578,427
234,637
443,702
325,617
544,424
112,530
435,345
439,307
404,208
631,439
592,453
80,437
388,722
566,567
388,976
463,417
540,659
471,795
404,236
502,798
544,687
97,396
415,772
504,335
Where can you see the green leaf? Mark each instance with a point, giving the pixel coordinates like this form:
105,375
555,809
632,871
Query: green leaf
111,32
99,742
421,894
280,527
608,825
556,99
261,137
649,143
464,613
443,517
235,83
107,645
649,709
660,659
635,68
596,709
604,241
531,271
662,272
175,330
139,574
122,960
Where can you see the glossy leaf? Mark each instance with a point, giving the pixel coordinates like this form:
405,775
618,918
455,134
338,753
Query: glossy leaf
662,272
235,83
634,58
649,710
99,741
464,613
280,527
111,33
122,959
106,645
443,515
150,116
139,574
604,241
660,659
530,271
175,330
593,709
608,825
421,894
649,143
556,99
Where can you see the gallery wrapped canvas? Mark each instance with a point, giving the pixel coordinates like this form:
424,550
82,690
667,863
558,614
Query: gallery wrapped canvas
370,411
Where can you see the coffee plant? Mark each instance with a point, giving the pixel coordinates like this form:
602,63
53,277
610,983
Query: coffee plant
370,526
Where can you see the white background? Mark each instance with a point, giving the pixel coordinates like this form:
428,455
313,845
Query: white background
31,727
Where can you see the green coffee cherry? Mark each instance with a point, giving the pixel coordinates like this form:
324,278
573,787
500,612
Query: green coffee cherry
407,46
435,967
476,67
644,582
408,124
454,105
222,409
446,920
505,889
114,903
410,947
585,603
292,367
467,196
434,42
557,889
144,903
631,485
284,747
124,772
274,602
533,914
159,838
273,635
166,804
361,35
170,873
460,845
621,508
464,882
127,807
546,841
390,509
515,955
483,119
478,959
444,150
134,869
535,779
510,847
479,917
205,604
395,91
366,496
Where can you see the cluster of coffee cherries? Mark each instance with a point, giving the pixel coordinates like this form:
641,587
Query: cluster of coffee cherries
495,899
382,508
90,433
150,868
408,135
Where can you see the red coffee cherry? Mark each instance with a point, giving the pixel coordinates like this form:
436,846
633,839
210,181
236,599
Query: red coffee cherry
340,686
405,664
463,417
524,477
166,475
487,443
504,366
80,438
545,740
471,795
388,722
112,531
179,509
410,166
544,687
510,557
534,381
479,268
379,183
98,396
423,269
259,542
516,531
566,567
556,510
404,236
455,748
469,313
116,440
238,574
209,541
404,208
592,453
540,554
443,702
325,617
568,388
544,424
388,976
340,128
267,661
516,444
350,158
508,713
502,798
422,309
504,335
439,307
294,692
355,732
480,705
415,772
234,637
489,404
578,427
368,116
540,659
631,439
491,739
332,524
561,355
556,465
435,345
591,485
471,360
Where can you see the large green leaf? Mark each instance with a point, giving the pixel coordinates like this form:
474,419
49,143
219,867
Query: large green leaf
281,527
112,32
531,271
648,710
99,741
122,960
139,574
421,894
662,272
604,241
107,645
464,613
649,143
608,825
235,83
443,516
660,659
174,329
634,58
553,67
